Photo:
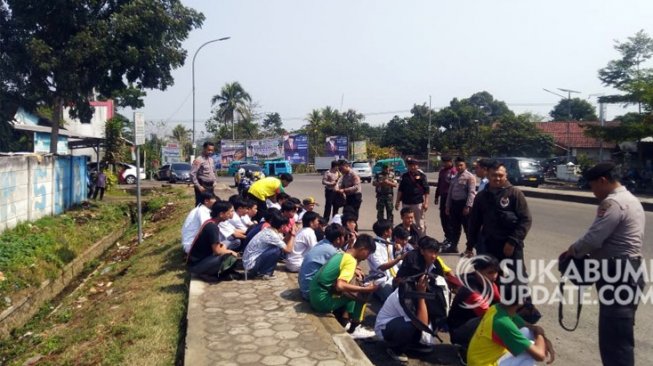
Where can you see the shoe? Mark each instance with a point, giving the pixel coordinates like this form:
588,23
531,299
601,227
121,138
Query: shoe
347,326
361,333
397,356
451,248
268,277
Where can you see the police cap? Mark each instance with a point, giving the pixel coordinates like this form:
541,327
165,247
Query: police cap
600,170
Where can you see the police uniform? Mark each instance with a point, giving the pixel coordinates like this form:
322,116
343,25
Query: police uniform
615,238
384,195
202,174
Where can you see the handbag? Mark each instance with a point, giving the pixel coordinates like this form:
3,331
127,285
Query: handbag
580,279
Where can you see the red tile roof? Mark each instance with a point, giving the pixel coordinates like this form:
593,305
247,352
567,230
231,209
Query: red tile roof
576,137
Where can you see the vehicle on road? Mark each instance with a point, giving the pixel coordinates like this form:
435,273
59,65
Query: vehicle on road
363,169
323,163
257,172
175,172
397,164
127,173
276,167
234,166
523,171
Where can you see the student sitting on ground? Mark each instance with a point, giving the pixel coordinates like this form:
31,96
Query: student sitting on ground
383,261
319,233
334,240
277,200
426,257
503,338
403,331
472,300
332,289
400,239
308,205
233,235
208,255
240,209
264,251
251,210
304,241
289,211
195,219
408,223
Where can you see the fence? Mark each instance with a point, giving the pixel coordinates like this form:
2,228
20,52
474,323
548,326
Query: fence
35,186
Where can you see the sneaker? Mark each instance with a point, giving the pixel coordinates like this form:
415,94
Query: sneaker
361,333
450,248
397,356
268,277
420,348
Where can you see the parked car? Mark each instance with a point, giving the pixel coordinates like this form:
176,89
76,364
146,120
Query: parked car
127,173
363,169
523,171
175,172
257,172
276,167
234,166
398,164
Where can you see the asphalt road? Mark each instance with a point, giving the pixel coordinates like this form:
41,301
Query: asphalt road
556,224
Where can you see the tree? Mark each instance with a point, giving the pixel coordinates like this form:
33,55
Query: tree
514,136
580,110
232,103
182,135
66,53
272,125
115,150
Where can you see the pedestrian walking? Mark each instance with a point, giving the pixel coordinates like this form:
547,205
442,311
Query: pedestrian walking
330,180
460,199
501,216
413,192
202,173
615,239
350,186
385,183
100,185
446,173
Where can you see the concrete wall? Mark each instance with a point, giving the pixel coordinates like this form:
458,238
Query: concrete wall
32,187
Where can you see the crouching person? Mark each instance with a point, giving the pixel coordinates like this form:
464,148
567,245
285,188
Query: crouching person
503,338
332,290
265,249
405,315
208,256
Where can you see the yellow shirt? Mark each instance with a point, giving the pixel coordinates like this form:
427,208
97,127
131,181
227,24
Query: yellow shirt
264,188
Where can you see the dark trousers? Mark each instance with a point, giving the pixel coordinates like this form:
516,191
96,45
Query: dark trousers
198,197
400,334
266,262
458,221
98,190
353,203
261,206
329,196
384,205
494,247
444,219
617,321
463,334
210,265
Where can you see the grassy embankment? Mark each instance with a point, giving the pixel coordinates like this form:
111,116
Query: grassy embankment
130,306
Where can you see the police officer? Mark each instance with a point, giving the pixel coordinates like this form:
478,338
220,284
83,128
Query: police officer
413,192
384,182
460,199
202,173
615,239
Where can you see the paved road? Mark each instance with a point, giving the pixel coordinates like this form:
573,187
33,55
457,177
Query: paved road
556,224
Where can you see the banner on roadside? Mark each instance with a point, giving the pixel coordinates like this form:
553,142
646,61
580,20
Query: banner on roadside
259,150
232,150
359,150
295,147
336,146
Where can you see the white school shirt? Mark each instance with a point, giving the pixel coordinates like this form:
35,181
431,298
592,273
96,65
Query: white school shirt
383,254
304,241
237,222
192,225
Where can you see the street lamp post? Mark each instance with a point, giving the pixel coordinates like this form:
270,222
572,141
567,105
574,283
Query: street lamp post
193,67
568,91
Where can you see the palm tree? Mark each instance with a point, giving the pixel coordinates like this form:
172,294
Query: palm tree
182,135
233,101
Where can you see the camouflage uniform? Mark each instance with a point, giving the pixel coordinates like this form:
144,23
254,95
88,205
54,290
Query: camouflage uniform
384,195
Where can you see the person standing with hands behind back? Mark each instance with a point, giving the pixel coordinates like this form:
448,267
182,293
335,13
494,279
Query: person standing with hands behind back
385,183
202,173
329,181
459,203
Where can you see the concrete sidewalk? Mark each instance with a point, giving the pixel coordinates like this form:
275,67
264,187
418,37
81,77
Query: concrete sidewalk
260,322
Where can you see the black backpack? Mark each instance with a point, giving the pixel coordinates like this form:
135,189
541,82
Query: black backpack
435,302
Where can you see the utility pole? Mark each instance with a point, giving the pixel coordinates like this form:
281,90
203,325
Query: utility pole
428,144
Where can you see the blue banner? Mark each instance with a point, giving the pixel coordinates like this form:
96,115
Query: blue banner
295,148
336,146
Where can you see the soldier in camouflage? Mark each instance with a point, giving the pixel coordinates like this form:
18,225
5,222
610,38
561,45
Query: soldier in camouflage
385,183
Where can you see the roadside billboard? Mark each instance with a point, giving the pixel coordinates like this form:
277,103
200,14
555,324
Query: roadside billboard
295,148
171,153
231,150
359,150
336,146
259,150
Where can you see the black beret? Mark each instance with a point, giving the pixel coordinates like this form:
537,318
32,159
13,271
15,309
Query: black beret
599,170
446,158
411,161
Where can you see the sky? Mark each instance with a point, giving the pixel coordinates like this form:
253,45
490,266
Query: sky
380,57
